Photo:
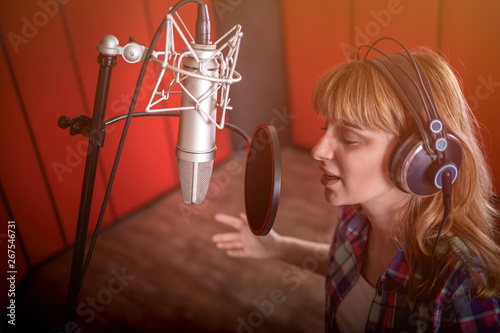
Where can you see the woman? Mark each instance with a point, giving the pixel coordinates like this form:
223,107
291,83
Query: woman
385,240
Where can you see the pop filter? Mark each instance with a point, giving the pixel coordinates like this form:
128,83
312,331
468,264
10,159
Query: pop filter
263,179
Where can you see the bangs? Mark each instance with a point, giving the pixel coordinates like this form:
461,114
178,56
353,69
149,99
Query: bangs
355,93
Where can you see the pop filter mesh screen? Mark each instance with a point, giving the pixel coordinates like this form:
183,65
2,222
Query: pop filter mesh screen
262,180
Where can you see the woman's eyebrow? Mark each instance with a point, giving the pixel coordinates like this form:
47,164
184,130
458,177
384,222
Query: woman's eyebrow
351,124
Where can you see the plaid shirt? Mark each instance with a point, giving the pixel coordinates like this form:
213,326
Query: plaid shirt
450,308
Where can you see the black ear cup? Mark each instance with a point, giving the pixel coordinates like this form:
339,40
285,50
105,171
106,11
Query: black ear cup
415,171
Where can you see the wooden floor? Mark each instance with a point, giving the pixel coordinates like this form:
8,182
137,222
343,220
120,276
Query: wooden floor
158,270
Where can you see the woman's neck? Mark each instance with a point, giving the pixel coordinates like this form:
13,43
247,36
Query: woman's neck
381,244
382,213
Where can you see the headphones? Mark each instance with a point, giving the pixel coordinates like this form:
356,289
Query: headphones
424,153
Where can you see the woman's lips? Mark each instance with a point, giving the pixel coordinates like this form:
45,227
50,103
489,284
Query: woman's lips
328,179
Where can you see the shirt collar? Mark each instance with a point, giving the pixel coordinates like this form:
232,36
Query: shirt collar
357,229
399,270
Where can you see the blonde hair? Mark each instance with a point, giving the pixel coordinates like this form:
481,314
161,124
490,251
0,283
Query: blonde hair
356,92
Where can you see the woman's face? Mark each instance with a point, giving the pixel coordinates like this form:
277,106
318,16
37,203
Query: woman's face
355,165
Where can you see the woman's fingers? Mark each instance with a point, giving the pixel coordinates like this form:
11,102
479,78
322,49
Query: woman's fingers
242,243
229,220
231,242
237,253
228,241
227,237
231,245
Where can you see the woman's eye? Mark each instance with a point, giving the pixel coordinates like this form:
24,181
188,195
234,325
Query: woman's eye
349,142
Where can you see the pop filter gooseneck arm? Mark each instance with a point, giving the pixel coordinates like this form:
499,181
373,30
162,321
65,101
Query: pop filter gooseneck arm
231,127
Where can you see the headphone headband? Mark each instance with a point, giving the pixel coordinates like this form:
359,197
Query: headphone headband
419,160
412,86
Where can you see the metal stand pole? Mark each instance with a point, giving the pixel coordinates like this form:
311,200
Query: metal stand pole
96,141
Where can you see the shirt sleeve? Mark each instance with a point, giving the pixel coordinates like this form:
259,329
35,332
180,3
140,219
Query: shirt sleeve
461,310
477,315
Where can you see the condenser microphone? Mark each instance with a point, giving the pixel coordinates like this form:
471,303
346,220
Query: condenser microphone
204,74
196,138
196,148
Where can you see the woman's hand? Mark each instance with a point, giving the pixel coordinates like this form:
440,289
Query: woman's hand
242,242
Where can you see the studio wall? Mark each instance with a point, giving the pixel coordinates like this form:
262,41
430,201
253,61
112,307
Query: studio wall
48,66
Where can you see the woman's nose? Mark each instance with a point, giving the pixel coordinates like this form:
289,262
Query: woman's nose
323,150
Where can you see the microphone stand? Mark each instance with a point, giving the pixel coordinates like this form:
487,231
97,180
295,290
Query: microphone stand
94,128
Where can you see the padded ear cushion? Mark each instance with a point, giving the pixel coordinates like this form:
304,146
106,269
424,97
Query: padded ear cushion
416,172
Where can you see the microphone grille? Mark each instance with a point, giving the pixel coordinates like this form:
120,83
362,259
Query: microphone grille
194,178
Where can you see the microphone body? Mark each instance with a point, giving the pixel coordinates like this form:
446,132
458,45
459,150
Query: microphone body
196,148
